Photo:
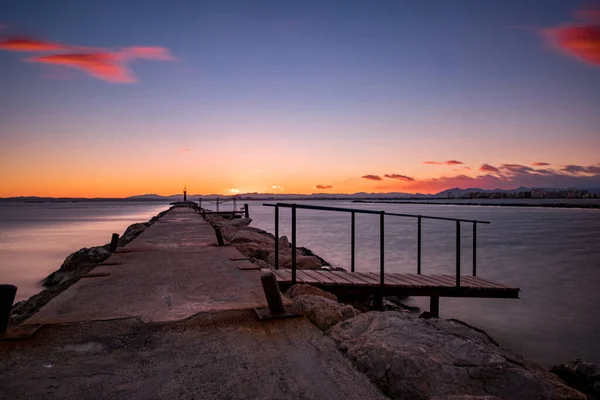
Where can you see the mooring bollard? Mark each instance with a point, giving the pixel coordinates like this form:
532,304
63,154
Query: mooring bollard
246,211
114,241
219,236
272,293
7,298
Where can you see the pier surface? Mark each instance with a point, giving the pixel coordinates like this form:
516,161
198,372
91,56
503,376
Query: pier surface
172,317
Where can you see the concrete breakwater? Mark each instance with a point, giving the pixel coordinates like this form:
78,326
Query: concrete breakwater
174,319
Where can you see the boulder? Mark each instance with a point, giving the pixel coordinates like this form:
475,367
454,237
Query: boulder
302,262
300,289
465,397
323,312
413,359
307,262
253,250
132,232
76,264
581,375
248,234
236,223
284,243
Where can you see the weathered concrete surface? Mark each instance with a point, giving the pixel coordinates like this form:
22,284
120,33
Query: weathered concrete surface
172,271
227,355
173,321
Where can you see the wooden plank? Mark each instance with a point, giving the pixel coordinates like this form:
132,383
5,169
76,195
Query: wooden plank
326,277
357,279
413,281
319,278
475,282
374,276
302,276
394,280
492,282
451,280
282,275
342,278
403,282
434,282
369,279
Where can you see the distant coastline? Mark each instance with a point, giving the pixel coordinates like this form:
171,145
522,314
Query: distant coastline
487,204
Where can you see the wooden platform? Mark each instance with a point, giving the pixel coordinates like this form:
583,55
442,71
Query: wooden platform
396,284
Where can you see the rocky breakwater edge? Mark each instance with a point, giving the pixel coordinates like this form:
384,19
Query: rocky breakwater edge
72,269
406,356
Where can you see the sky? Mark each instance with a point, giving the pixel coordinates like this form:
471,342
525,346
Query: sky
120,98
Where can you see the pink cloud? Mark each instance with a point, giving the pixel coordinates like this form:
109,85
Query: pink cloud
185,150
432,163
371,177
580,41
454,162
540,164
489,168
323,187
400,177
105,64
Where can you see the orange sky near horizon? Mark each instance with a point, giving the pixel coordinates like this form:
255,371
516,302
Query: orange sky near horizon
291,97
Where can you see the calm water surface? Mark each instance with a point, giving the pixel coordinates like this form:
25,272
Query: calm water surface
553,255
35,238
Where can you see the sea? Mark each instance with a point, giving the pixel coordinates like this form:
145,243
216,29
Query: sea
551,254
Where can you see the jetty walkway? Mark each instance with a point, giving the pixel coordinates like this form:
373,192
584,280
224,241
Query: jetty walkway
172,317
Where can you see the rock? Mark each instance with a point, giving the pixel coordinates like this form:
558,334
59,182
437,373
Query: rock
322,312
253,250
261,263
465,397
581,375
300,289
302,262
132,232
284,243
308,262
248,234
412,358
236,223
77,263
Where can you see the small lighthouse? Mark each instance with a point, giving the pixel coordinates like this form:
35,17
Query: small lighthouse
184,194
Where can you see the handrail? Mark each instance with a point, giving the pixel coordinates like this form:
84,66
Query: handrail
359,211
382,215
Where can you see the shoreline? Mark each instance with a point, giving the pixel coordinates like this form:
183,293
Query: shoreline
447,203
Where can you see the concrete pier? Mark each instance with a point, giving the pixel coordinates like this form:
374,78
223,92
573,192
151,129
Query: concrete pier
173,319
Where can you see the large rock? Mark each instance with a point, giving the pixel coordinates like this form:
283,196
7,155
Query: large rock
132,232
76,264
581,375
236,223
253,250
248,234
465,397
415,359
322,312
299,290
302,261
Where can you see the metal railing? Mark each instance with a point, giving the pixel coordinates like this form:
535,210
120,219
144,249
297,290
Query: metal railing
382,215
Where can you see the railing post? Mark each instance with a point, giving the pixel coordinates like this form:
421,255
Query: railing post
419,246
293,244
457,253
114,242
381,248
353,241
7,299
246,211
474,248
276,237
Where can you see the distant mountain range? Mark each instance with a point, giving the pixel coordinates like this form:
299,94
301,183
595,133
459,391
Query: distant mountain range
446,194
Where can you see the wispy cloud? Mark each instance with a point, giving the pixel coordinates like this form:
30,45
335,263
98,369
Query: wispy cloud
185,150
540,164
449,162
579,40
256,170
489,168
233,190
323,187
400,177
277,187
101,63
371,177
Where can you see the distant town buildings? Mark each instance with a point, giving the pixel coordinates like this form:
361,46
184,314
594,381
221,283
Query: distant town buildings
532,194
